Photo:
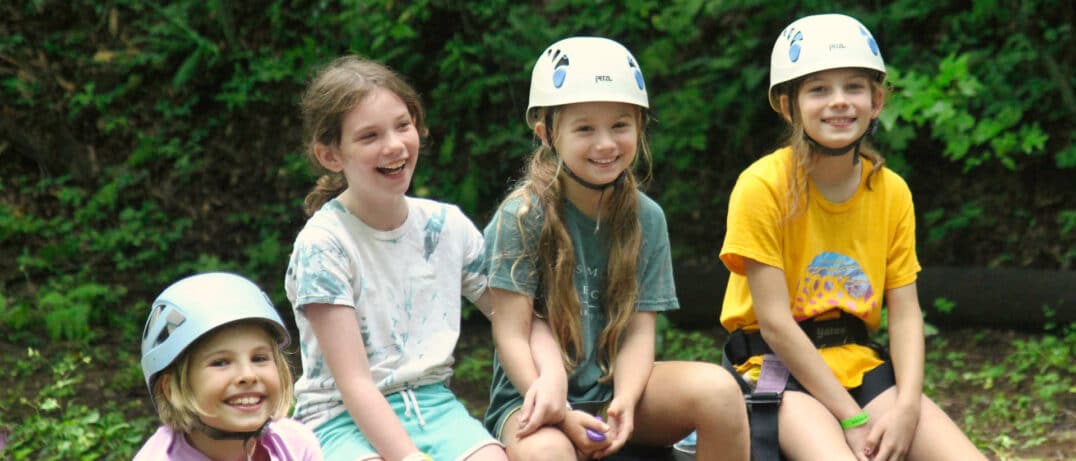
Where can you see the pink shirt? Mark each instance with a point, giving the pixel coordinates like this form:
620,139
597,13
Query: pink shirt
284,439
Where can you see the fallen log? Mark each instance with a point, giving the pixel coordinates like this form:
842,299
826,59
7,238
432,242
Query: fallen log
1010,298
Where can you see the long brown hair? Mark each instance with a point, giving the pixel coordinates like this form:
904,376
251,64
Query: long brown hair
334,91
802,161
543,188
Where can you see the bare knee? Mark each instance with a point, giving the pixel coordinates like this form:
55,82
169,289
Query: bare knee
713,389
548,444
709,394
488,453
807,430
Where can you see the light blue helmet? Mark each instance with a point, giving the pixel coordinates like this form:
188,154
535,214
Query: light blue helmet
192,307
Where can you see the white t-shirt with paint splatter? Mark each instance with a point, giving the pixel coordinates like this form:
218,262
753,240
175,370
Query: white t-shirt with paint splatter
405,285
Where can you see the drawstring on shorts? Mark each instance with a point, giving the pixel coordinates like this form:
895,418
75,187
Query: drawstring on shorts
411,402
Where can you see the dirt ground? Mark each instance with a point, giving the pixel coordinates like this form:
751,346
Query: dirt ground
959,400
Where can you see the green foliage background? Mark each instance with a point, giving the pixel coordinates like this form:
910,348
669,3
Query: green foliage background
141,141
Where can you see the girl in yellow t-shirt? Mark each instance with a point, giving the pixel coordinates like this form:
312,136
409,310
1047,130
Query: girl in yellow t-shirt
819,233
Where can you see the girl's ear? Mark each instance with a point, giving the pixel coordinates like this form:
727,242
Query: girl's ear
786,111
539,132
327,157
164,384
877,102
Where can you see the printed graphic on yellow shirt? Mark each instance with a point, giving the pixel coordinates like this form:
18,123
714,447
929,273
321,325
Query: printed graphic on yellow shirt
834,281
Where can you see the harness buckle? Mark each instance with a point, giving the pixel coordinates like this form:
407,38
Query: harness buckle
763,399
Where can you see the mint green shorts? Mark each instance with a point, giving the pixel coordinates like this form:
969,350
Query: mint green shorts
437,423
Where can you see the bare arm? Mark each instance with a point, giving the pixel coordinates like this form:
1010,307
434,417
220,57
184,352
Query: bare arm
544,401
544,347
545,350
777,326
512,333
485,304
633,365
636,358
337,330
906,342
773,310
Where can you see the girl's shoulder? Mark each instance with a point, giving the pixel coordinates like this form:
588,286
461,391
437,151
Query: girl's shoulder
329,216
294,433
520,203
649,208
772,164
890,181
167,444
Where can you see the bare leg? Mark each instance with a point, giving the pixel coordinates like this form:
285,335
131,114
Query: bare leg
808,431
937,437
488,453
685,396
547,444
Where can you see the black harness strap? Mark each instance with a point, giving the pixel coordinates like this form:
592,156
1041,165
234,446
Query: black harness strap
762,410
762,407
846,329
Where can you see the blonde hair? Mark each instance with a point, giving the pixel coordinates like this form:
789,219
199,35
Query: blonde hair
802,159
333,92
177,406
543,180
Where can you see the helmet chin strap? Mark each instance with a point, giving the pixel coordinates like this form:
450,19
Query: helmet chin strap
217,434
839,151
589,185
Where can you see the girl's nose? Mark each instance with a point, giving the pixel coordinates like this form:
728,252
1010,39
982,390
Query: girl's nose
605,140
394,143
839,98
246,374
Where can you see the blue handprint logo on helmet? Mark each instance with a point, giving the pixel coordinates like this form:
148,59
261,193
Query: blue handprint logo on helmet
795,37
638,73
560,69
870,41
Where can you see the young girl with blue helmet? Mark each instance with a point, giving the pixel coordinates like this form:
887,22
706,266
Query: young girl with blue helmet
213,361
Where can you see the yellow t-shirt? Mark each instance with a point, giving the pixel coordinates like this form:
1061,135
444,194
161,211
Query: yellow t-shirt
835,256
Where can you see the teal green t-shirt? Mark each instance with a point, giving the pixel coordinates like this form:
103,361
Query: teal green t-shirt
505,244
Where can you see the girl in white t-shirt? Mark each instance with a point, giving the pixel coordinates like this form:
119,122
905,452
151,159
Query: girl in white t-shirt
376,280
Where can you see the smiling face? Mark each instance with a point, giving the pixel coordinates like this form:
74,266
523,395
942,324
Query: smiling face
836,106
234,377
378,148
597,140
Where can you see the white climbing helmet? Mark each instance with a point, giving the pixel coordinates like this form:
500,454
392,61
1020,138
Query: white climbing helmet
821,42
192,307
586,69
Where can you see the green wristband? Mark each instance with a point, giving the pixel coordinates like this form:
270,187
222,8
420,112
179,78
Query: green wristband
854,421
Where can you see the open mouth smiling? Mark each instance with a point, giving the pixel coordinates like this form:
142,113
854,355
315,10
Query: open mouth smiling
392,168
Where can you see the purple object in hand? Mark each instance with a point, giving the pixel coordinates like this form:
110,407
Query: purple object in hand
594,435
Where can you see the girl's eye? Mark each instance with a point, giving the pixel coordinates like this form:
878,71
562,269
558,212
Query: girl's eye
218,363
404,124
367,136
584,128
262,358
